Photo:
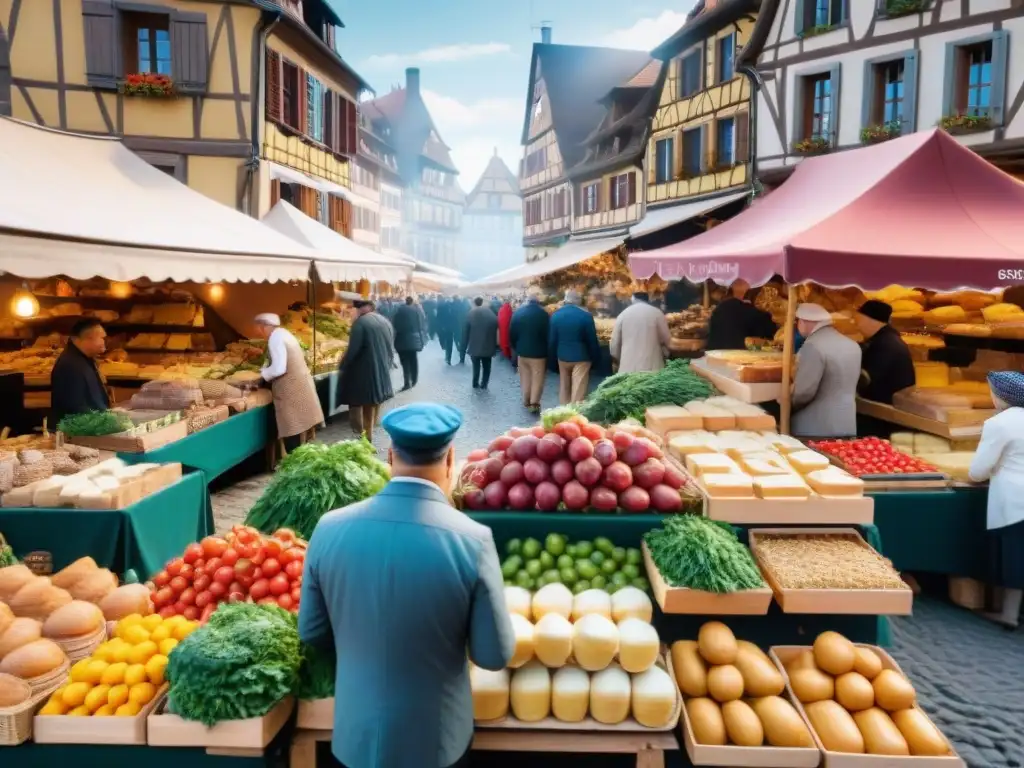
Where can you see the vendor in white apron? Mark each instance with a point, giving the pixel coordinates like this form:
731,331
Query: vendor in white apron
296,403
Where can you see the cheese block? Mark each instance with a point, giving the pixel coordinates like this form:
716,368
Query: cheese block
956,464
701,464
999,312
807,461
71,491
780,487
738,434
730,485
47,493
756,467
944,315
107,483
931,374
683,444
930,444
668,418
904,441
715,419
835,482
784,444
737,447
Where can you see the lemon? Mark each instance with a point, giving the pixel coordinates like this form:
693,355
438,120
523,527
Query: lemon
114,674
118,695
184,630
136,634
155,669
74,695
136,673
161,633
79,672
142,652
82,711
152,621
104,652
120,653
54,707
97,697
124,624
131,709
142,693
105,711
94,671
168,645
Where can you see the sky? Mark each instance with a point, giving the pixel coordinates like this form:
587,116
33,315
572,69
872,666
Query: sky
474,57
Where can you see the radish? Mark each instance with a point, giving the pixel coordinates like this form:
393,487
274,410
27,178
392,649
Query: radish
635,499
664,498
592,431
674,478
604,452
500,443
588,471
511,474
604,499
520,496
648,474
636,454
575,495
523,448
550,448
495,495
618,476
568,430
492,468
579,449
478,455
562,471
622,440
653,451
536,471
547,496
474,498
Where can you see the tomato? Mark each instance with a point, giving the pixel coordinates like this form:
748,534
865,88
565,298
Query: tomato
178,584
234,586
257,574
179,608
212,565
268,601
203,599
285,601
296,593
272,547
244,536
245,580
224,575
164,597
187,572
192,553
279,584
217,589
244,566
236,596
271,567
247,549
188,597
166,612
207,613
214,546
161,579
174,567
202,582
292,553
259,557
294,569
285,534
199,564
259,589
191,613
230,556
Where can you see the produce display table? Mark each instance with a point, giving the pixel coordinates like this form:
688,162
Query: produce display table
327,391
218,448
936,531
141,537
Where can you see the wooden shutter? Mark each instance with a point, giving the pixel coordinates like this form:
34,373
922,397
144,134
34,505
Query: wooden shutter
705,148
869,91
189,51
5,76
302,101
307,202
329,122
800,121
1000,45
742,128
910,93
833,105
351,127
631,185
275,192
102,44
274,99
800,16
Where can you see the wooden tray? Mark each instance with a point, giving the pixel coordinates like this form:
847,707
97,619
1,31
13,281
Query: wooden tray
629,725
782,654
909,482
123,443
753,602
316,715
167,730
870,602
730,385
61,729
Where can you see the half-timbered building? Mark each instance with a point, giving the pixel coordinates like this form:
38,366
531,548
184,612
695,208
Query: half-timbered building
837,75
492,228
376,178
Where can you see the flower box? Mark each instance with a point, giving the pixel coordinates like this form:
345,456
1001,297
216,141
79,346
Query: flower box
814,145
818,29
147,84
876,134
894,9
961,124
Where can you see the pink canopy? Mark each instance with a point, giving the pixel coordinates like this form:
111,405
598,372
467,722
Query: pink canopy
920,210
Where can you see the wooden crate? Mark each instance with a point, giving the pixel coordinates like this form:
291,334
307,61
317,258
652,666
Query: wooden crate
315,715
733,387
61,729
783,654
237,737
693,601
871,602
125,443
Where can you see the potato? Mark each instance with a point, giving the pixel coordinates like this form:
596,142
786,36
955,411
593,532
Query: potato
810,685
854,692
717,643
742,725
706,721
835,727
783,726
803,660
833,653
760,677
881,736
725,683
690,668
893,691
923,738
866,662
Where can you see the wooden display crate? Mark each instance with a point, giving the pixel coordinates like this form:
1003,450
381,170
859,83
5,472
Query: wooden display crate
240,737
783,654
870,602
61,729
126,443
753,602
748,392
316,715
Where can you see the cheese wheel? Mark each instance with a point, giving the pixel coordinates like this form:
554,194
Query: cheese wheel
592,601
706,721
835,727
595,641
570,694
490,693
783,726
833,653
552,640
881,736
742,725
725,683
760,677
524,636
530,692
810,685
552,598
690,668
654,698
610,695
638,645
854,692
717,643
923,738
630,602
893,691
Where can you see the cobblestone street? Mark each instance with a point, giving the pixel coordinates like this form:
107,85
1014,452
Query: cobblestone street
969,674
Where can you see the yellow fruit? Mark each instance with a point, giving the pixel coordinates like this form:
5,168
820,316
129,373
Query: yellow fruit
184,630
172,622
82,711
135,634
152,622
155,669
142,652
142,693
114,674
136,673
94,671
97,697
118,695
168,645
79,672
120,653
161,633
54,707
131,709
104,652
133,620
105,711
74,695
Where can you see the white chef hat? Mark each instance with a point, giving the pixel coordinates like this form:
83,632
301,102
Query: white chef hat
268,318
813,313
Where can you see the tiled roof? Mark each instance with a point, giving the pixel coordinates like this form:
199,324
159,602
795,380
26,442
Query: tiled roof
412,128
646,77
705,17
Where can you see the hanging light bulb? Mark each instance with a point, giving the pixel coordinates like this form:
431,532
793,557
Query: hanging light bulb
216,292
120,290
24,304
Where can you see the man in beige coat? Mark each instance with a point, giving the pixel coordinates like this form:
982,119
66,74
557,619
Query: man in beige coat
641,337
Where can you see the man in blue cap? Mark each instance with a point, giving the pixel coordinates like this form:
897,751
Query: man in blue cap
403,585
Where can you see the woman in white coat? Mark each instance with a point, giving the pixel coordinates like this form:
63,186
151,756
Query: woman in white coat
1000,460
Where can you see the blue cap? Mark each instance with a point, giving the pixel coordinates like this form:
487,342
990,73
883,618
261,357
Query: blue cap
1008,386
422,430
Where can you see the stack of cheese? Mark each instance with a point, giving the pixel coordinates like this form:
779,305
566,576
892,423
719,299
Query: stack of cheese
733,692
604,654
717,414
91,488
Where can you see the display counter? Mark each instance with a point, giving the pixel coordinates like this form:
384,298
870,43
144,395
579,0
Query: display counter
327,391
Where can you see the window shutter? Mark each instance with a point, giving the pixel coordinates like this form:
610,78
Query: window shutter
949,106
998,99
632,187
275,192
352,127
652,163
742,128
799,118
189,51
302,97
327,99
705,144
833,105
102,44
345,208
880,6
273,86
867,97
800,16
910,94
5,76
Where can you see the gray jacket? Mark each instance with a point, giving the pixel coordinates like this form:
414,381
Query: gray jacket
480,333
825,385
404,587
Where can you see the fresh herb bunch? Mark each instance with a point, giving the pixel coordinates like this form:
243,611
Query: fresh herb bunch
696,553
330,325
240,664
94,424
315,479
553,416
316,675
629,395
6,553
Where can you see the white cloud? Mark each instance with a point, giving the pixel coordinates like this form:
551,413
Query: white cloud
647,33
442,54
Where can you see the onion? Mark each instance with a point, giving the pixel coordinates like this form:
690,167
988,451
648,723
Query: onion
478,455
673,476
579,449
622,440
604,499
568,430
665,498
512,473
550,448
520,496
618,476
474,498
604,452
588,472
649,474
536,471
637,453
500,443
635,499
547,496
575,495
562,471
492,467
495,495
523,448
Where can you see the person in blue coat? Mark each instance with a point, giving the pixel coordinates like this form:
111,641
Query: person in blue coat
572,341
528,337
446,324
403,587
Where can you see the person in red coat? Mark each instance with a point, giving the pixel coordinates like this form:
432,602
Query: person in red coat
504,323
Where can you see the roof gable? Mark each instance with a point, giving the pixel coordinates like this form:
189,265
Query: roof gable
496,179
411,131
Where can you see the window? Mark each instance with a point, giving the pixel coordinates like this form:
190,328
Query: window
619,186
690,80
148,40
493,201
726,58
290,95
815,103
973,83
536,161
663,161
815,16
725,146
691,152
590,198
314,109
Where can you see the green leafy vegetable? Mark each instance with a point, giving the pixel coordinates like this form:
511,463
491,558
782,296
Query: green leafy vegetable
553,416
316,675
94,424
6,553
694,552
315,479
240,664
629,395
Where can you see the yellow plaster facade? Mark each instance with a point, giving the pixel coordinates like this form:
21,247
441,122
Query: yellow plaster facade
606,216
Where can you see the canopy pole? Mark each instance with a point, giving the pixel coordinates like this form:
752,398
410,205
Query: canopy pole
707,294
785,397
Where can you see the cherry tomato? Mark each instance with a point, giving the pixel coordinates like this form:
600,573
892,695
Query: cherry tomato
279,584
174,567
296,594
207,612
247,549
245,580
272,547
192,553
191,613
166,612
161,579
202,582
212,565
294,569
236,596
285,534
187,572
179,608
203,599
285,601
217,589
188,597
230,556
271,567
164,597
224,575
259,589
234,586
214,546
178,584
268,600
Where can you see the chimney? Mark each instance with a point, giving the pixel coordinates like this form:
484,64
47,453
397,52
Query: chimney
412,80
545,34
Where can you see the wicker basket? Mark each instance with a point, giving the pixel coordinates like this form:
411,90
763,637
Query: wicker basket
16,721
61,462
201,419
40,563
51,681
30,473
78,648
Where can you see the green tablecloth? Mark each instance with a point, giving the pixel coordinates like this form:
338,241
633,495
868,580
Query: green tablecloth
142,537
218,448
327,391
935,531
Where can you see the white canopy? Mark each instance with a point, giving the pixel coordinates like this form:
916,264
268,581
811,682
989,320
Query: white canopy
338,257
660,218
426,266
85,206
291,176
427,281
568,255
